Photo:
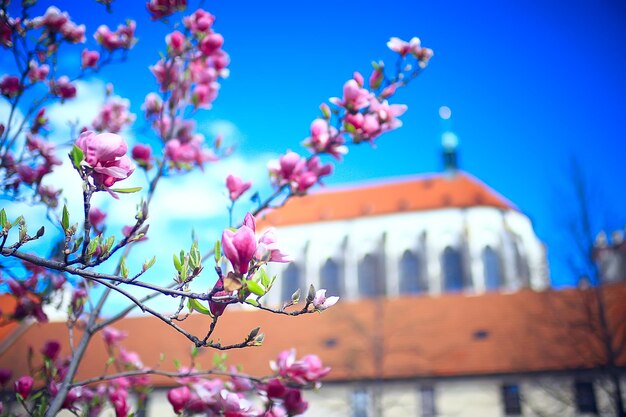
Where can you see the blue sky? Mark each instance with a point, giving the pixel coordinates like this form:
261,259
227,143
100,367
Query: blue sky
530,83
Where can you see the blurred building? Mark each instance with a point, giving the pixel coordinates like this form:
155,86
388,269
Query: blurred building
446,310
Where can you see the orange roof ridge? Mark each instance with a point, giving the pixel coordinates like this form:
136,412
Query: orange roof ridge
387,196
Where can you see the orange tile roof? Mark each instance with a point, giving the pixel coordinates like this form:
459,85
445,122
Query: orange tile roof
407,337
427,192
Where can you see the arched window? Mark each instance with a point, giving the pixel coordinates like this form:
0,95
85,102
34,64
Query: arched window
492,266
411,280
331,278
453,274
290,281
371,278
522,271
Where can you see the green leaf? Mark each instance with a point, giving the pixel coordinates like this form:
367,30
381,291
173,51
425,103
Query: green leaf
19,220
177,264
265,280
255,288
3,218
194,304
217,251
129,190
148,263
65,219
252,302
76,156
176,363
194,352
123,268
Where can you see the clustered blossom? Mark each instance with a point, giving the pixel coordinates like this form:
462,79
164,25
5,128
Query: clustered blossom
114,115
122,38
325,139
297,172
89,59
54,21
163,8
10,86
33,293
413,47
280,393
63,88
105,155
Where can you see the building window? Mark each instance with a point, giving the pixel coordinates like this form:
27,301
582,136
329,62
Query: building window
371,278
511,400
360,403
453,274
331,277
585,397
427,399
290,281
521,266
492,266
411,281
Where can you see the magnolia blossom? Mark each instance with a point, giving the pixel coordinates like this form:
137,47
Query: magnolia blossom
414,46
113,336
188,152
306,370
163,8
24,385
36,72
239,247
63,88
236,187
152,105
321,302
105,153
325,139
89,59
355,97
9,85
113,116
176,43
179,397
199,22
293,170
122,38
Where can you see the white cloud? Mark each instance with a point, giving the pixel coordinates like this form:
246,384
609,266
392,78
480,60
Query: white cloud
229,131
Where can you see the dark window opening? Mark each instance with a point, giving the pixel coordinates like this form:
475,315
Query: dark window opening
427,396
585,397
331,278
511,400
371,278
290,281
492,266
453,273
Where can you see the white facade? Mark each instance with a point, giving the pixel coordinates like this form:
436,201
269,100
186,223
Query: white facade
396,243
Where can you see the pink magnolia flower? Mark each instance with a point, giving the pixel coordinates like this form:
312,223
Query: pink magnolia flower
105,153
152,105
294,403
321,302
163,8
119,401
73,33
53,19
239,247
354,96
6,32
387,114
96,217
89,59
325,139
166,74
403,48
176,43
122,38
10,86
63,88
24,385
199,22
113,336
286,168
190,152
142,154
306,370
130,358
36,72
211,43
178,398
113,116
377,76
201,72
236,187
268,250
204,94
51,349
5,376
